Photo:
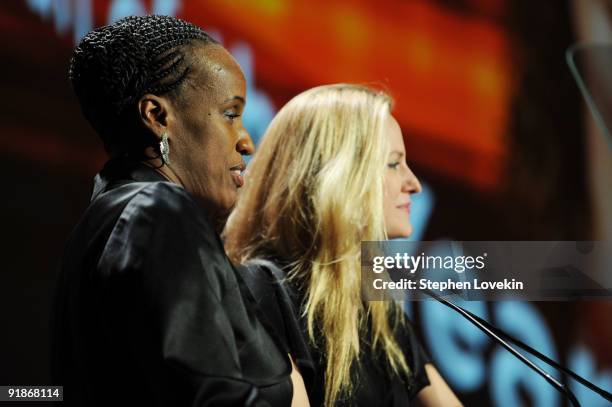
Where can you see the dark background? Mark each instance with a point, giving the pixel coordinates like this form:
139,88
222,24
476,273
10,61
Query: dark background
493,120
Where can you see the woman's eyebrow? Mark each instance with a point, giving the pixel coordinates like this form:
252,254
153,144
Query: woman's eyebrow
240,98
398,152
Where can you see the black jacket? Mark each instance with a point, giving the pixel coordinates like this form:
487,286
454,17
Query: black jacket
375,384
149,310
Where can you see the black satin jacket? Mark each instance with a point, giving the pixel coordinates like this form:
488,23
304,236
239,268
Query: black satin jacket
149,310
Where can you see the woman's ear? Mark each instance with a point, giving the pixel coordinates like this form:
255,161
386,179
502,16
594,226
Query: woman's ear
154,112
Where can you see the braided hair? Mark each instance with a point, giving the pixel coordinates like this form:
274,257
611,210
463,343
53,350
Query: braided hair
115,65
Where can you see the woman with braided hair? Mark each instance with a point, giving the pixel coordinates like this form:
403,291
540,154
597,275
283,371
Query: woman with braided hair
149,310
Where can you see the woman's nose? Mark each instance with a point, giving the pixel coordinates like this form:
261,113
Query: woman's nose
245,145
412,184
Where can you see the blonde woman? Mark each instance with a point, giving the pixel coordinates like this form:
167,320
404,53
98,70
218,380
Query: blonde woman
331,172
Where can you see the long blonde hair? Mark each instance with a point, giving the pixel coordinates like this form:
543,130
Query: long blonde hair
314,191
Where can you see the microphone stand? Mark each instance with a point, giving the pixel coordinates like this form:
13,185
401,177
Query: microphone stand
498,336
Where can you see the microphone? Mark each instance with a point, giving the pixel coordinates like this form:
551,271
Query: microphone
501,337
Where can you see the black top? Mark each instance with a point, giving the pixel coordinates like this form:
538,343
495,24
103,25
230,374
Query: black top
376,385
149,310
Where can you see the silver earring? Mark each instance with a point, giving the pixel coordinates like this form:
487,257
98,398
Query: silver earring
164,149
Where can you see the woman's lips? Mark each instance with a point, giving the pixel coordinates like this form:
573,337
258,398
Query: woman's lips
238,178
404,207
236,171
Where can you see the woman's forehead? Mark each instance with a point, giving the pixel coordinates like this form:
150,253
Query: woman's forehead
218,70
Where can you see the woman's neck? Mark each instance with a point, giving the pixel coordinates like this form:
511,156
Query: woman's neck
164,169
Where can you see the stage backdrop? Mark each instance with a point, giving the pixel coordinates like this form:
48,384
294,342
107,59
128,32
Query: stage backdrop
456,73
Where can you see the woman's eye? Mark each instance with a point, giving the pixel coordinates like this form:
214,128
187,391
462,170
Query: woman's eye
231,115
393,165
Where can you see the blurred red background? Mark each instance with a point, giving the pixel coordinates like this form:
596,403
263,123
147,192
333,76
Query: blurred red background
493,123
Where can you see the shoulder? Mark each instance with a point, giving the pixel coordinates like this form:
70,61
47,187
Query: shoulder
267,282
267,292
161,205
160,197
135,197
262,283
279,305
158,219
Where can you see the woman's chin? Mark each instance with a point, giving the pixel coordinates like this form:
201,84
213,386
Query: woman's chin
400,232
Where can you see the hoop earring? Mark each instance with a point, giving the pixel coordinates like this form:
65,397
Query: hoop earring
164,149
